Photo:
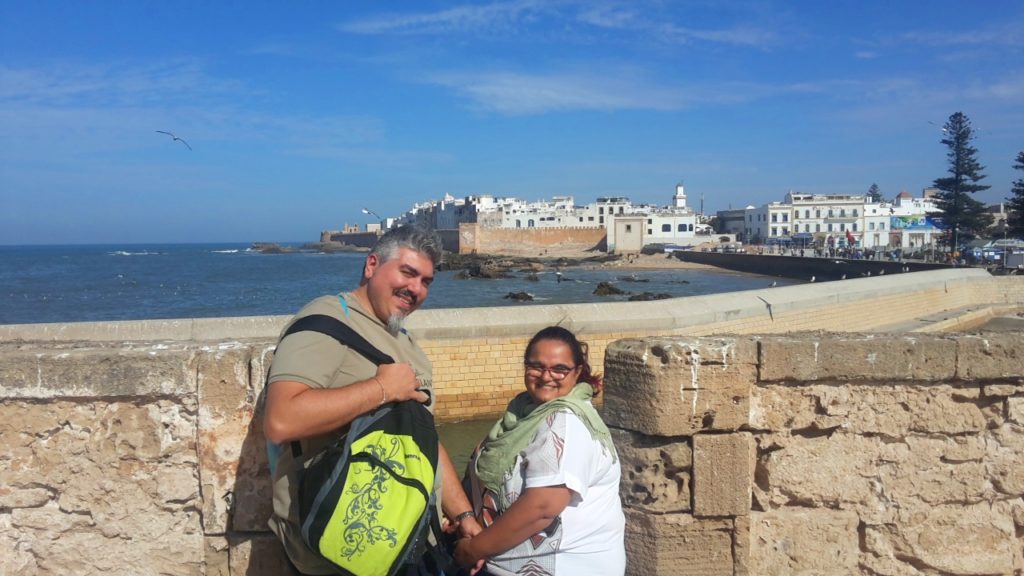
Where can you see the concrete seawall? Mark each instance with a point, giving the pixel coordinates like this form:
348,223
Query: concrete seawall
135,447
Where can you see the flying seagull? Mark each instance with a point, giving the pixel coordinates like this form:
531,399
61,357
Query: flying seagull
176,138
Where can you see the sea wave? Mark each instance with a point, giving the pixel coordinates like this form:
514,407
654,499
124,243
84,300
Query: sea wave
143,253
235,251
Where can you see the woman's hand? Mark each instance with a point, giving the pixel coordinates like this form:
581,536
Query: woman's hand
466,557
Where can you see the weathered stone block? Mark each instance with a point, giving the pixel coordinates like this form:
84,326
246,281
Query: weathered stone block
876,476
1015,410
216,561
97,373
678,386
871,409
722,474
123,486
835,357
258,555
954,539
1005,460
655,471
231,444
677,544
990,356
824,471
796,541
741,547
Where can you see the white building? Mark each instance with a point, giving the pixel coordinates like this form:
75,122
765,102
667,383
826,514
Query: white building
842,220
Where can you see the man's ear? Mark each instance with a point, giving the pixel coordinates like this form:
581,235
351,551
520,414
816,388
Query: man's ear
372,261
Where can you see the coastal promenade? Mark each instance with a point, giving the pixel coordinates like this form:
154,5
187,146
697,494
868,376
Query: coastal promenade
817,428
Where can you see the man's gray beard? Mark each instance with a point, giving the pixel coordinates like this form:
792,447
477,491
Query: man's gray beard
395,324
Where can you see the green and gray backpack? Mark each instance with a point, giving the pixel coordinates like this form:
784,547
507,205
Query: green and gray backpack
368,501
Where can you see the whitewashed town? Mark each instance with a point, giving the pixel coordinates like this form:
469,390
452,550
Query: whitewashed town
852,224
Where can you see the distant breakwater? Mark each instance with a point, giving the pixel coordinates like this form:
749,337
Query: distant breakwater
805,268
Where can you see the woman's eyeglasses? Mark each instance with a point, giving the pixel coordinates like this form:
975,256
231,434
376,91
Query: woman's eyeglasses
558,372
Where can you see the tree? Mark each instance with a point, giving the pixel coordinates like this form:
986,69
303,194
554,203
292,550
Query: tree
875,193
1015,203
963,217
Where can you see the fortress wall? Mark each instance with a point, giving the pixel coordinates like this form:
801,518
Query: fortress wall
474,238
135,448
821,454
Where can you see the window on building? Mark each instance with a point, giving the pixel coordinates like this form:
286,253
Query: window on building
854,226
590,218
600,219
881,225
620,209
775,231
629,227
817,227
842,227
681,228
775,217
830,227
829,212
785,231
807,213
581,218
785,217
649,221
807,227
650,232
842,212
666,227
691,227
529,223
855,212
871,225
600,210
519,223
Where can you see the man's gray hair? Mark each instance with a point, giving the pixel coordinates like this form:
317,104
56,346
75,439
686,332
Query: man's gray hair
422,240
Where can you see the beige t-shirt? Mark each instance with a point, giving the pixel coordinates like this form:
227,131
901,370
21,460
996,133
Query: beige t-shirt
319,361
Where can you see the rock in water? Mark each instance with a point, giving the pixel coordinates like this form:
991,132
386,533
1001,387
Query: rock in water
606,289
521,296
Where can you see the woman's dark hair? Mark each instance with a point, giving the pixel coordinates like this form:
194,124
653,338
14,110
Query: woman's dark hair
579,353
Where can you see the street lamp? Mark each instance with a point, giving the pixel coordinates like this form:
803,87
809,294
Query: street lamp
372,213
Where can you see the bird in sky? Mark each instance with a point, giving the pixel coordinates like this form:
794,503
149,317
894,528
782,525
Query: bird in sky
175,138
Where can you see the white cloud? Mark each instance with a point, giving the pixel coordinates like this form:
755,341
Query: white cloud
518,93
1004,34
866,55
462,18
509,15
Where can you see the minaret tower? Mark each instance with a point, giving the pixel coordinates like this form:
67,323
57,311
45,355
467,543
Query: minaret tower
679,200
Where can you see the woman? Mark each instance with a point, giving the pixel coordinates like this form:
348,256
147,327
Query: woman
545,481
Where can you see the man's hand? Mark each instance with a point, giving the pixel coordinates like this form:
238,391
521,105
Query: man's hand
399,383
469,527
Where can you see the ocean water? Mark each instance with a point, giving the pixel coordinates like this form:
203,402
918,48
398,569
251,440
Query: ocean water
132,282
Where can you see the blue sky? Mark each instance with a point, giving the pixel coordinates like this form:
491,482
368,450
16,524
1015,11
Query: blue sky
301,113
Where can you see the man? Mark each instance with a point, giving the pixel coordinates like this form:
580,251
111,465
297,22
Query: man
316,386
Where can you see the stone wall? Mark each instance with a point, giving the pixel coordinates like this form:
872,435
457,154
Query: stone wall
476,239
821,454
135,448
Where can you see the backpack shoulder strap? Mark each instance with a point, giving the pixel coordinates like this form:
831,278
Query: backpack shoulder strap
341,332
345,335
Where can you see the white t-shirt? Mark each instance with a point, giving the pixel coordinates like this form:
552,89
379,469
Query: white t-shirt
588,537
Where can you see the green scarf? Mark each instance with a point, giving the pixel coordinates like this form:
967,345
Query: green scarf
518,426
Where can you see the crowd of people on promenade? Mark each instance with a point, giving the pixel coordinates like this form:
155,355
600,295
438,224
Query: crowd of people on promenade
540,494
